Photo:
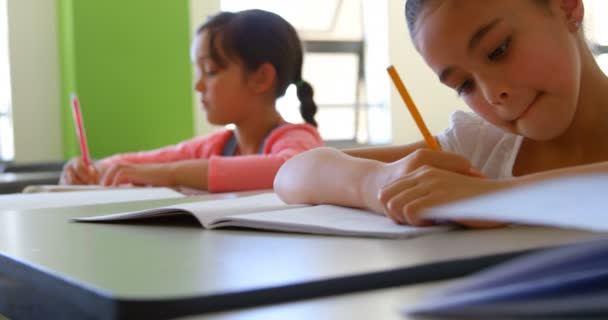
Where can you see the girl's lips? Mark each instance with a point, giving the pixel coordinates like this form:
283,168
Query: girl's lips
523,114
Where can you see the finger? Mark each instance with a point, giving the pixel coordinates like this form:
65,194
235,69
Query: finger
413,210
476,173
393,189
115,177
93,174
123,175
438,159
82,172
397,197
71,177
65,176
108,175
406,205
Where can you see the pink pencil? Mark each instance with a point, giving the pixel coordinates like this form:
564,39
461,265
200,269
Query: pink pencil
82,137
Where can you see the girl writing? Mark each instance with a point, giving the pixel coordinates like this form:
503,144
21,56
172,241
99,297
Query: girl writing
244,61
540,106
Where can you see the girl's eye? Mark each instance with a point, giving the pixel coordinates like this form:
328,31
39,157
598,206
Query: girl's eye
209,72
465,87
501,51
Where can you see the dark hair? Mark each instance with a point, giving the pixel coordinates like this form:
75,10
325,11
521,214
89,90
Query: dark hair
256,37
412,11
414,7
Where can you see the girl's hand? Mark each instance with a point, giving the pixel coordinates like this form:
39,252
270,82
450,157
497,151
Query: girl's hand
76,172
138,174
389,188
405,198
381,175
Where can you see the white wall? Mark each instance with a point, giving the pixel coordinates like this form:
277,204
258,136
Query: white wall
435,101
35,80
35,77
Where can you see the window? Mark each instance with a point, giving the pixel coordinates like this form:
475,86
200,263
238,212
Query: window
6,125
334,63
596,28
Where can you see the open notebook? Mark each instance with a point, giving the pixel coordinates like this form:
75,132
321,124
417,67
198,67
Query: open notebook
267,211
569,282
22,201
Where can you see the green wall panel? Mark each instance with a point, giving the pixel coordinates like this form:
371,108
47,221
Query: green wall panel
129,62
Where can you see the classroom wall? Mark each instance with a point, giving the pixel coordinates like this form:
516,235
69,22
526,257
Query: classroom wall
434,100
38,112
129,63
36,91
34,80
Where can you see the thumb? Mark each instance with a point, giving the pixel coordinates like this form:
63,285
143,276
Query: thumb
476,173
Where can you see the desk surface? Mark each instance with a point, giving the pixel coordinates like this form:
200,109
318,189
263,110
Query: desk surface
160,270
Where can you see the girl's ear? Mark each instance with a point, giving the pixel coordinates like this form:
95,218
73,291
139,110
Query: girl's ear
575,11
263,79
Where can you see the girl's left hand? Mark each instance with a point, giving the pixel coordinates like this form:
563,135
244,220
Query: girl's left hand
137,174
405,198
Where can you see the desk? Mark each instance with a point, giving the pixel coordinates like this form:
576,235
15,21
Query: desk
12,182
148,271
385,304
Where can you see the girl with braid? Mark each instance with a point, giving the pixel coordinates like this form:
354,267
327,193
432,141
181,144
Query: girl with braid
539,105
244,62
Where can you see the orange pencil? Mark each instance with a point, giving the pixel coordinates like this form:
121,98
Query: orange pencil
428,138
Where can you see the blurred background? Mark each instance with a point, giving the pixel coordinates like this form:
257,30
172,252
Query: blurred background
129,63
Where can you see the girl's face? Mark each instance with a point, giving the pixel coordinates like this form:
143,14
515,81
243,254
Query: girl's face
515,63
223,92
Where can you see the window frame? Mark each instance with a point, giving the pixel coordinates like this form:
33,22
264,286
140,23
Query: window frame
6,114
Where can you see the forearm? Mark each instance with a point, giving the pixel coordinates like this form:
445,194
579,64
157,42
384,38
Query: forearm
600,167
189,173
385,153
326,175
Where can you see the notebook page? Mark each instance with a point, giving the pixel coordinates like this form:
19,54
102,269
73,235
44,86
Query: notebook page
327,219
205,211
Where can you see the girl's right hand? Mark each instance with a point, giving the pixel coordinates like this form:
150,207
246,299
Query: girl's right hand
386,174
380,175
447,171
76,172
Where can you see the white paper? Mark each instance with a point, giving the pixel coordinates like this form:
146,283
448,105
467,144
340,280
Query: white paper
579,202
329,219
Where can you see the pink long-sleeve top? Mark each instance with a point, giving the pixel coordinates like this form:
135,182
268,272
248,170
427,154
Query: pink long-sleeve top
233,173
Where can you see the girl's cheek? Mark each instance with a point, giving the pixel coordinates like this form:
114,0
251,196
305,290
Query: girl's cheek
483,109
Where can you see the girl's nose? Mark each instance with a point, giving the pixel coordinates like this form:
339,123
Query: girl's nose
199,85
497,93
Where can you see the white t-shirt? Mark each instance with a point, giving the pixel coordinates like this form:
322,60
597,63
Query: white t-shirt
490,149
